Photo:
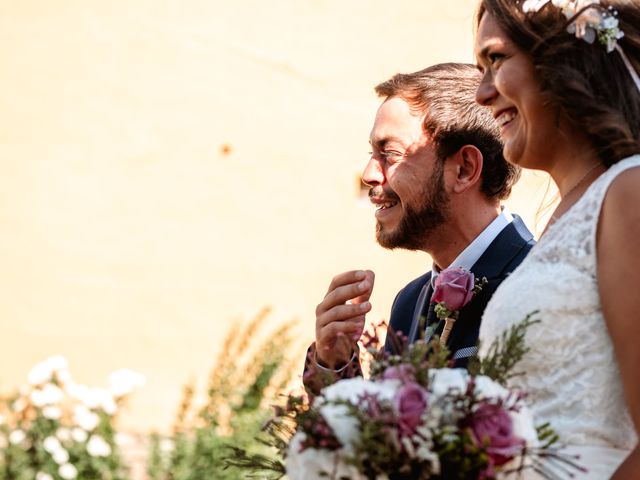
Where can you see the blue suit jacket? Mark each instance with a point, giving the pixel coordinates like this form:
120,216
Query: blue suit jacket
502,256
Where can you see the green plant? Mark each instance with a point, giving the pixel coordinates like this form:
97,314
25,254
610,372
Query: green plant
250,371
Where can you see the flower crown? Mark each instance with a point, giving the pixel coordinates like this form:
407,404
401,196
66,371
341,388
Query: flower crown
593,22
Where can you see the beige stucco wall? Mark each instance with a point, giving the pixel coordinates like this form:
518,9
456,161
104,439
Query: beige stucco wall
128,237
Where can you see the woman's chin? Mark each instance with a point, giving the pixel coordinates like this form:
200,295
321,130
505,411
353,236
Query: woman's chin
512,155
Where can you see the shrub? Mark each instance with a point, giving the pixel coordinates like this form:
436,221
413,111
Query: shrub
250,371
56,429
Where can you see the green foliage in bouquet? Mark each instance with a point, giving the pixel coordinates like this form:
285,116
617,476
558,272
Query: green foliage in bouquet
505,353
422,356
56,429
249,373
274,438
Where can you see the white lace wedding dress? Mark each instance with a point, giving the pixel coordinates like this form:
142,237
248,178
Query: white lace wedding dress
571,376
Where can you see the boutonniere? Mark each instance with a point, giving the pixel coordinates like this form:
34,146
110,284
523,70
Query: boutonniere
453,289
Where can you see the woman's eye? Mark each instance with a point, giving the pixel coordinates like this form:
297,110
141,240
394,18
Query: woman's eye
495,57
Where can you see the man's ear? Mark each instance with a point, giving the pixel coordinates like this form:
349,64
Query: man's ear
466,164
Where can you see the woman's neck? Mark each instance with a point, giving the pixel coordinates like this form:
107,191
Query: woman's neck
573,169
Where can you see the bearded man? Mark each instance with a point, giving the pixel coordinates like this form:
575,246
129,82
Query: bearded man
437,177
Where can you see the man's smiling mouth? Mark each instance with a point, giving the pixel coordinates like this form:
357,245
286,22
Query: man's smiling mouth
385,206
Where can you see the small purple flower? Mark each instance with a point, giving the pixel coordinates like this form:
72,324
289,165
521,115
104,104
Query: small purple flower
453,287
404,372
492,429
410,404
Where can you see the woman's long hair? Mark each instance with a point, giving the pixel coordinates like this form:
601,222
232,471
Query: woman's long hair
591,88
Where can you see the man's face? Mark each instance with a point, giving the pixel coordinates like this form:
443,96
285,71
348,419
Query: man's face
406,178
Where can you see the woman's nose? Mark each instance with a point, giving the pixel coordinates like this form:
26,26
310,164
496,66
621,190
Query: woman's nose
486,92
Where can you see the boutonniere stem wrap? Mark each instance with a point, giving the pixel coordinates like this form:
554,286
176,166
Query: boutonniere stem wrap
453,289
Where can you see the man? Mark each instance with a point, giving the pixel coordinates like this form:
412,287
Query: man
437,176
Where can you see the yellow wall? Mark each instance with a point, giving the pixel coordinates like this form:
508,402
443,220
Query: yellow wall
128,237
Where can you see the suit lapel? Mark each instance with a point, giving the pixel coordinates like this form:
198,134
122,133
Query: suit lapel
433,322
502,250
419,310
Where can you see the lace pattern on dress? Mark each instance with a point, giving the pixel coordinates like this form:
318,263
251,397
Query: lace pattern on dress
570,373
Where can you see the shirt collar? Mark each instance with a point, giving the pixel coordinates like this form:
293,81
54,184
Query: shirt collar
470,255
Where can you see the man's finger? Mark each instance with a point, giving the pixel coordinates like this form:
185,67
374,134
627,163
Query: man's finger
345,294
369,279
346,278
351,330
342,313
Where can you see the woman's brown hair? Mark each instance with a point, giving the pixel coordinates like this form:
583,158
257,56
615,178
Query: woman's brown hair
593,89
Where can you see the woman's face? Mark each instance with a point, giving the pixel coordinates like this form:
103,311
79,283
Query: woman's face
510,88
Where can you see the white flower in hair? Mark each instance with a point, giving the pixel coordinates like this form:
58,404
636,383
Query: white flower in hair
535,5
593,23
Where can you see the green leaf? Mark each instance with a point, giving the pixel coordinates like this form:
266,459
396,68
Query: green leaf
506,351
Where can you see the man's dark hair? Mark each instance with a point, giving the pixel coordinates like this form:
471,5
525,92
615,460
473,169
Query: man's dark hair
445,94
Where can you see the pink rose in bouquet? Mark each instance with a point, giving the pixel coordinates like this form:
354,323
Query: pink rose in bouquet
492,428
454,288
410,403
404,372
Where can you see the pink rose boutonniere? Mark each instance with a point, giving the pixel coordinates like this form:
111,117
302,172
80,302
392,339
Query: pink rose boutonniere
453,289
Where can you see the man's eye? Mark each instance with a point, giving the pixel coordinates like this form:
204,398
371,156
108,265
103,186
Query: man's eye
388,155
391,153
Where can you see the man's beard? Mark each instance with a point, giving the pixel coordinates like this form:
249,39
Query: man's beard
418,223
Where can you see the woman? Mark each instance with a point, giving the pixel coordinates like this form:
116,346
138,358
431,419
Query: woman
562,83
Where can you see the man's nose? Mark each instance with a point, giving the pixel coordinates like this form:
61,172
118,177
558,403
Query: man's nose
373,174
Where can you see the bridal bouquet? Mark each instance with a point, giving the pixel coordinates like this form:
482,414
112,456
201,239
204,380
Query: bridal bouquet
445,425
414,419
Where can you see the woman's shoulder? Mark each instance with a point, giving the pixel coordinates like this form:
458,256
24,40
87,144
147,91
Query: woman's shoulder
620,181
620,213
624,186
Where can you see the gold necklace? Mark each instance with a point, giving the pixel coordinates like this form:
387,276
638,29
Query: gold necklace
554,218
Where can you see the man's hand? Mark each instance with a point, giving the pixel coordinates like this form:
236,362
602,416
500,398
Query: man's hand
340,316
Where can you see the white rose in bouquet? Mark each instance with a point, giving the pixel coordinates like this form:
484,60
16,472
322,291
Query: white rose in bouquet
344,425
316,464
444,380
309,463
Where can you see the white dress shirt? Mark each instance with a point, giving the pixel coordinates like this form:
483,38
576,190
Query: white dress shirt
470,255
